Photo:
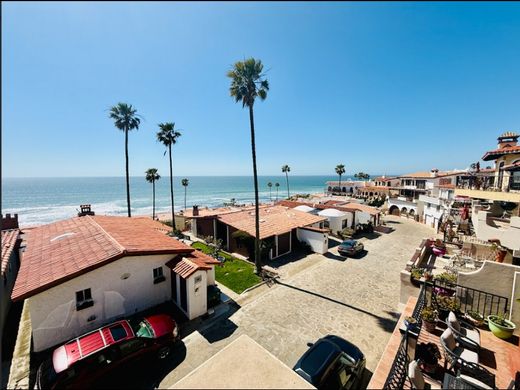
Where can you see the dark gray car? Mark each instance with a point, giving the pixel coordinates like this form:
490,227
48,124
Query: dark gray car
332,363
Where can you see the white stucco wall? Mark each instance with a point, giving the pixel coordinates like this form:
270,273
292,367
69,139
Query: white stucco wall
53,312
336,223
495,278
318,242
362,217
197,294
509,237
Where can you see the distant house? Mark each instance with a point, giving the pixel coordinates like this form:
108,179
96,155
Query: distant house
10,263
344,187
81,273
281,228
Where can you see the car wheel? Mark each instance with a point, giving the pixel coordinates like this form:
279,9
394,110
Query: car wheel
163,352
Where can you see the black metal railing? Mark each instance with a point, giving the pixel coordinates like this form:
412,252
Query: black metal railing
399,371
471,299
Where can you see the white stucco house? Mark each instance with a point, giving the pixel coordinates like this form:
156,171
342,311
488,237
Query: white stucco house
82,273
337,220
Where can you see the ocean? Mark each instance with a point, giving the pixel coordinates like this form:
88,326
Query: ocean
42,200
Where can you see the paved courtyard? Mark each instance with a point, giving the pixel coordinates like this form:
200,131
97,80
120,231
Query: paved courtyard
355,298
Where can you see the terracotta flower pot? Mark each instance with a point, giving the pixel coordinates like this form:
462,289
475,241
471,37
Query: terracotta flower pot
429,325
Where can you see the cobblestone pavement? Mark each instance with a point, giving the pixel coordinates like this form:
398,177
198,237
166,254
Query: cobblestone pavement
355,298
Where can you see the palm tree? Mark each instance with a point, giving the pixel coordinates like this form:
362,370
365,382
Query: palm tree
248,83
125,119
286,169
277,185
340,170
151,177
168,136
270,185
185,183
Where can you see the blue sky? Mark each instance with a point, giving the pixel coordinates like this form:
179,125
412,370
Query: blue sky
380,87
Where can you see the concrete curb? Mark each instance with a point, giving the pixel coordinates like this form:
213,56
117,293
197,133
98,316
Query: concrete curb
21,363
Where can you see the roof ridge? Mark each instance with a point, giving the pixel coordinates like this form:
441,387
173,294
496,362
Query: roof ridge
121,247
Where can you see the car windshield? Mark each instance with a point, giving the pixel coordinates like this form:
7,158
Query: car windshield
348,243
143,329
118,332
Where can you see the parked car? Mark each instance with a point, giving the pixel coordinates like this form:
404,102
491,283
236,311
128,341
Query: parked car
84,360
350,248
332,363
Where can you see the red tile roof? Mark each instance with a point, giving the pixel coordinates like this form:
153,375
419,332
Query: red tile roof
494,154
191,263
9,238
62,250
274,220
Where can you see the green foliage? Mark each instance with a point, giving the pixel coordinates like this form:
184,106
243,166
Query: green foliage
125,117
340,169
167,134
347,233
248,82
448,303
447,277
429,314
499,320
152,175
475,315
236,274
417,273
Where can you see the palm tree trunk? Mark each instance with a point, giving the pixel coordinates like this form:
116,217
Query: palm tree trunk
171,189
127,175
153,201
340,184
287,179
185,189
270,197
258,269
277,194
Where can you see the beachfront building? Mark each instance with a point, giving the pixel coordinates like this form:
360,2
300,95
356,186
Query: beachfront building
281,229
344,187
495,194
10,263
81,273
381,187
338,213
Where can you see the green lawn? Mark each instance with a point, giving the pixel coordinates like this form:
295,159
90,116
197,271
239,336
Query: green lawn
235,274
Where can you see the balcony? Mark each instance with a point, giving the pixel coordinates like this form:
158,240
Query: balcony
488,194
499,357
430,200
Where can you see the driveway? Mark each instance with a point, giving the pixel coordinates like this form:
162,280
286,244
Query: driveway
355,298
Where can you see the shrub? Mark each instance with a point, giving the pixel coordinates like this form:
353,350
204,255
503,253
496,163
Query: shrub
429,314
417,273
447,277
448,303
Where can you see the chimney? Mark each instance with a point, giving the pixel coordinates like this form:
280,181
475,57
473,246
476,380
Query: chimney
433,172
507,139
85,210
9,222
195,210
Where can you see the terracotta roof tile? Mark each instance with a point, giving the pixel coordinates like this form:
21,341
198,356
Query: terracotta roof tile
494,154
274,220
9,238
191,263
65,249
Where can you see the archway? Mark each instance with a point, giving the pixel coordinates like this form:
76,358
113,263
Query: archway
344,189
404,211
394,210
411,213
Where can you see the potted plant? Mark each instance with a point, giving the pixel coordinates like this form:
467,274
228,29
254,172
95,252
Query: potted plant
500,251
475,318
445,304
415,275
428,354
439,248
501,327
429,318
428,276
447,277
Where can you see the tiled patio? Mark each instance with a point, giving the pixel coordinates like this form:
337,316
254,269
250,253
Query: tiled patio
501,357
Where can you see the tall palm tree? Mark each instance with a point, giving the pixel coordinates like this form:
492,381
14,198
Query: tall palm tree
248,83
340,170
270,185
125,119
168,136
277,185
185,183
286,169
151,177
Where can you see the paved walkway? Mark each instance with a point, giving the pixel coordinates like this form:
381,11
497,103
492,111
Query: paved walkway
355,298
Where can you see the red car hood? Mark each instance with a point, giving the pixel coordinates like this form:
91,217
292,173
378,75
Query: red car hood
161,324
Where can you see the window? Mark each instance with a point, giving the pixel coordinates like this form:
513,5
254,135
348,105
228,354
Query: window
84,299
158,276
344,224
326,224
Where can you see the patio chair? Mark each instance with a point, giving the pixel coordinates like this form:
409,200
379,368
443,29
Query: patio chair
416,377
465,361
466,334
